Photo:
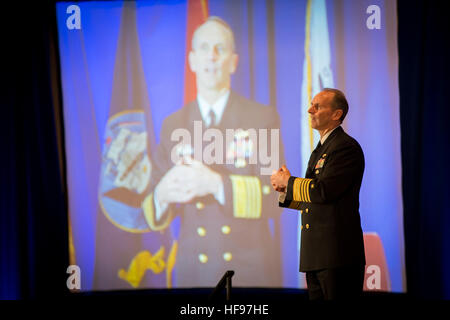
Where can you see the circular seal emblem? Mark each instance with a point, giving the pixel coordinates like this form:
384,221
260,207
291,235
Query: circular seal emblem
125,171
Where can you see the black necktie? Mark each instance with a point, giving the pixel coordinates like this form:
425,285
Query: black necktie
212,118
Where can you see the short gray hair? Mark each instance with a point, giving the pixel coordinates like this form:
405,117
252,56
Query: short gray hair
220,21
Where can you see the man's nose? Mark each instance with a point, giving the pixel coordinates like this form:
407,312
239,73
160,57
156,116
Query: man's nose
213,54
311,110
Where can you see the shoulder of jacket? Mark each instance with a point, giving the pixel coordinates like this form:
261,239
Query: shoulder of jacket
344,141
180,116
250,108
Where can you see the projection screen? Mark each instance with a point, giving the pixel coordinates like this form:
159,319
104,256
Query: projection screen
132,80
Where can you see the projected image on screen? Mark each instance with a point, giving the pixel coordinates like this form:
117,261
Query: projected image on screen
177,112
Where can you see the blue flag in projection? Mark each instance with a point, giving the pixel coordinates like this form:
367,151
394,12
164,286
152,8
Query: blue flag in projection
128,253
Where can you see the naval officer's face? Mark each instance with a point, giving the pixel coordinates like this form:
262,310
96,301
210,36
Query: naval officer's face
212,57
321,111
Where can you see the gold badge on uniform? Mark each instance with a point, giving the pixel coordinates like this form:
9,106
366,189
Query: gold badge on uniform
320,163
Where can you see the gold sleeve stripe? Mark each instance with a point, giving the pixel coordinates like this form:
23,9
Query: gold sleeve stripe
301,190
258,198
296,189
294,205
149,214
250,195
239,195
308,198
307,184
247,197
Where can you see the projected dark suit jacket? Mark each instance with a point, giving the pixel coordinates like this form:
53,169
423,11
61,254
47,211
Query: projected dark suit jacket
328,201
241,235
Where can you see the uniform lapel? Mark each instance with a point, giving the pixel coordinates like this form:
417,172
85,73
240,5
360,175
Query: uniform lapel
330,138
229,117
318,152
194,115
332,135
313,159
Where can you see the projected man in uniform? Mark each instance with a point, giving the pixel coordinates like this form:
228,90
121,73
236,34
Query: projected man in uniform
228,219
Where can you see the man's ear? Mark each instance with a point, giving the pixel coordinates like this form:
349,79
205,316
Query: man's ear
234,63
337,114
191,59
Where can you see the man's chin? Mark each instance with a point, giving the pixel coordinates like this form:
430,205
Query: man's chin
212,85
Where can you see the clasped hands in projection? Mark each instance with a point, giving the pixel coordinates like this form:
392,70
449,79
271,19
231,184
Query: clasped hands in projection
188,179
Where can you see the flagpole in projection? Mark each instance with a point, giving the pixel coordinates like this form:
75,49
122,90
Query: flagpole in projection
317,75
123,255
197,13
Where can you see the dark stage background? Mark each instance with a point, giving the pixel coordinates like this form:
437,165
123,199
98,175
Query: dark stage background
33,223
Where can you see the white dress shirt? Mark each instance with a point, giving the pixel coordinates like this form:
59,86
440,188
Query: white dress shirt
218,108
322,139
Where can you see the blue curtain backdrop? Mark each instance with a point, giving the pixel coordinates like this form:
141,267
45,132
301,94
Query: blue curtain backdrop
33,211
424,67
33,220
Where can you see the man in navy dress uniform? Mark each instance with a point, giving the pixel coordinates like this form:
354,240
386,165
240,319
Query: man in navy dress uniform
332,247
228,216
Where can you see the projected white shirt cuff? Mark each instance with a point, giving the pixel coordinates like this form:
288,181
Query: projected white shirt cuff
281,197
159,209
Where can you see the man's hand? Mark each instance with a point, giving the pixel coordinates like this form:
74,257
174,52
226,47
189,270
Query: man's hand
187,180
172,187
280,178
205,181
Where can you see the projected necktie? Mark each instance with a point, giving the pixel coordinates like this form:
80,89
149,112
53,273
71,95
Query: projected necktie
212,118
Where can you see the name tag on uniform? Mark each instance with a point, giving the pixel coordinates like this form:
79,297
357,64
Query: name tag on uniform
320,163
